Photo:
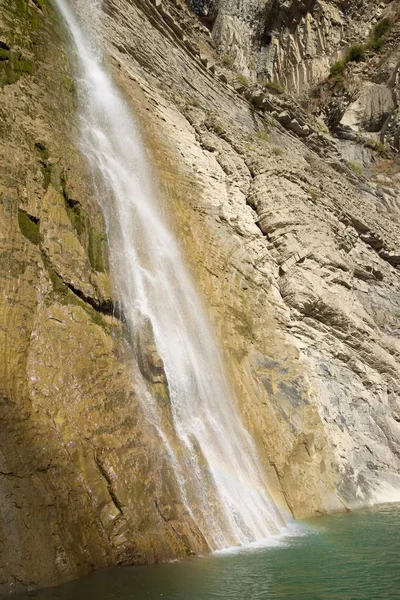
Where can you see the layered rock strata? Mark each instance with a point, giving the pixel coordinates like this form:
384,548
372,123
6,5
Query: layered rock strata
295,253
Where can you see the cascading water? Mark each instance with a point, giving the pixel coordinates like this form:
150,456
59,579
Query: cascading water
218,472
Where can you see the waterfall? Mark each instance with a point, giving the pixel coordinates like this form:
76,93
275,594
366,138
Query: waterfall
216,467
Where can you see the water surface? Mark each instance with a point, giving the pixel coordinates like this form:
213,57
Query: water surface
339,557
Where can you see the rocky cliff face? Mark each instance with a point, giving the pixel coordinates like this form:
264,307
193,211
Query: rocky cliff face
288,214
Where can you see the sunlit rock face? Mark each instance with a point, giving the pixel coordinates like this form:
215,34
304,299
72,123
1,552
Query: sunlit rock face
295,251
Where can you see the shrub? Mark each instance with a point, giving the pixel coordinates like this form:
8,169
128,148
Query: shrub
338,80
219,130
338,67
374,145
243,80
379,32
193,101
355,53
228,60
356,168
314,193
275,86
381,28
263,135
277,151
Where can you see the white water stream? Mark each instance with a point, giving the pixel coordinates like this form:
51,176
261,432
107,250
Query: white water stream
218,473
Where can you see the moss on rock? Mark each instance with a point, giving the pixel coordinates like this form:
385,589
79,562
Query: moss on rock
40,3
67,296
29,226
96,250
77,216
12,66
44,163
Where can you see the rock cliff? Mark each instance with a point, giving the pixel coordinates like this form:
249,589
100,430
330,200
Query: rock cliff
279,174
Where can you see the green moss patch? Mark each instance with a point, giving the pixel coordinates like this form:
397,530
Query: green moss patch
44,163
67,296
69,84
21,6
13,65
29,226
40,3
379,33
91,238
42,150
78,217
96,250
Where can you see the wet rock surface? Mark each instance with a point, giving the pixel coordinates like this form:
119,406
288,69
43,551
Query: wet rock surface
294,247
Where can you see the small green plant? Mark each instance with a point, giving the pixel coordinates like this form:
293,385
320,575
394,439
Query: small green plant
338,80
314,193
212,124
381,28
337,68
374,145
376,44
263,135
228,60
193,101
219,130
356,168
355,53
379,32
381,148
40,3
274,85
243,80
277,151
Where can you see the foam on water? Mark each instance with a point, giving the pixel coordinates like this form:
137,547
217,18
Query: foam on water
292,530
